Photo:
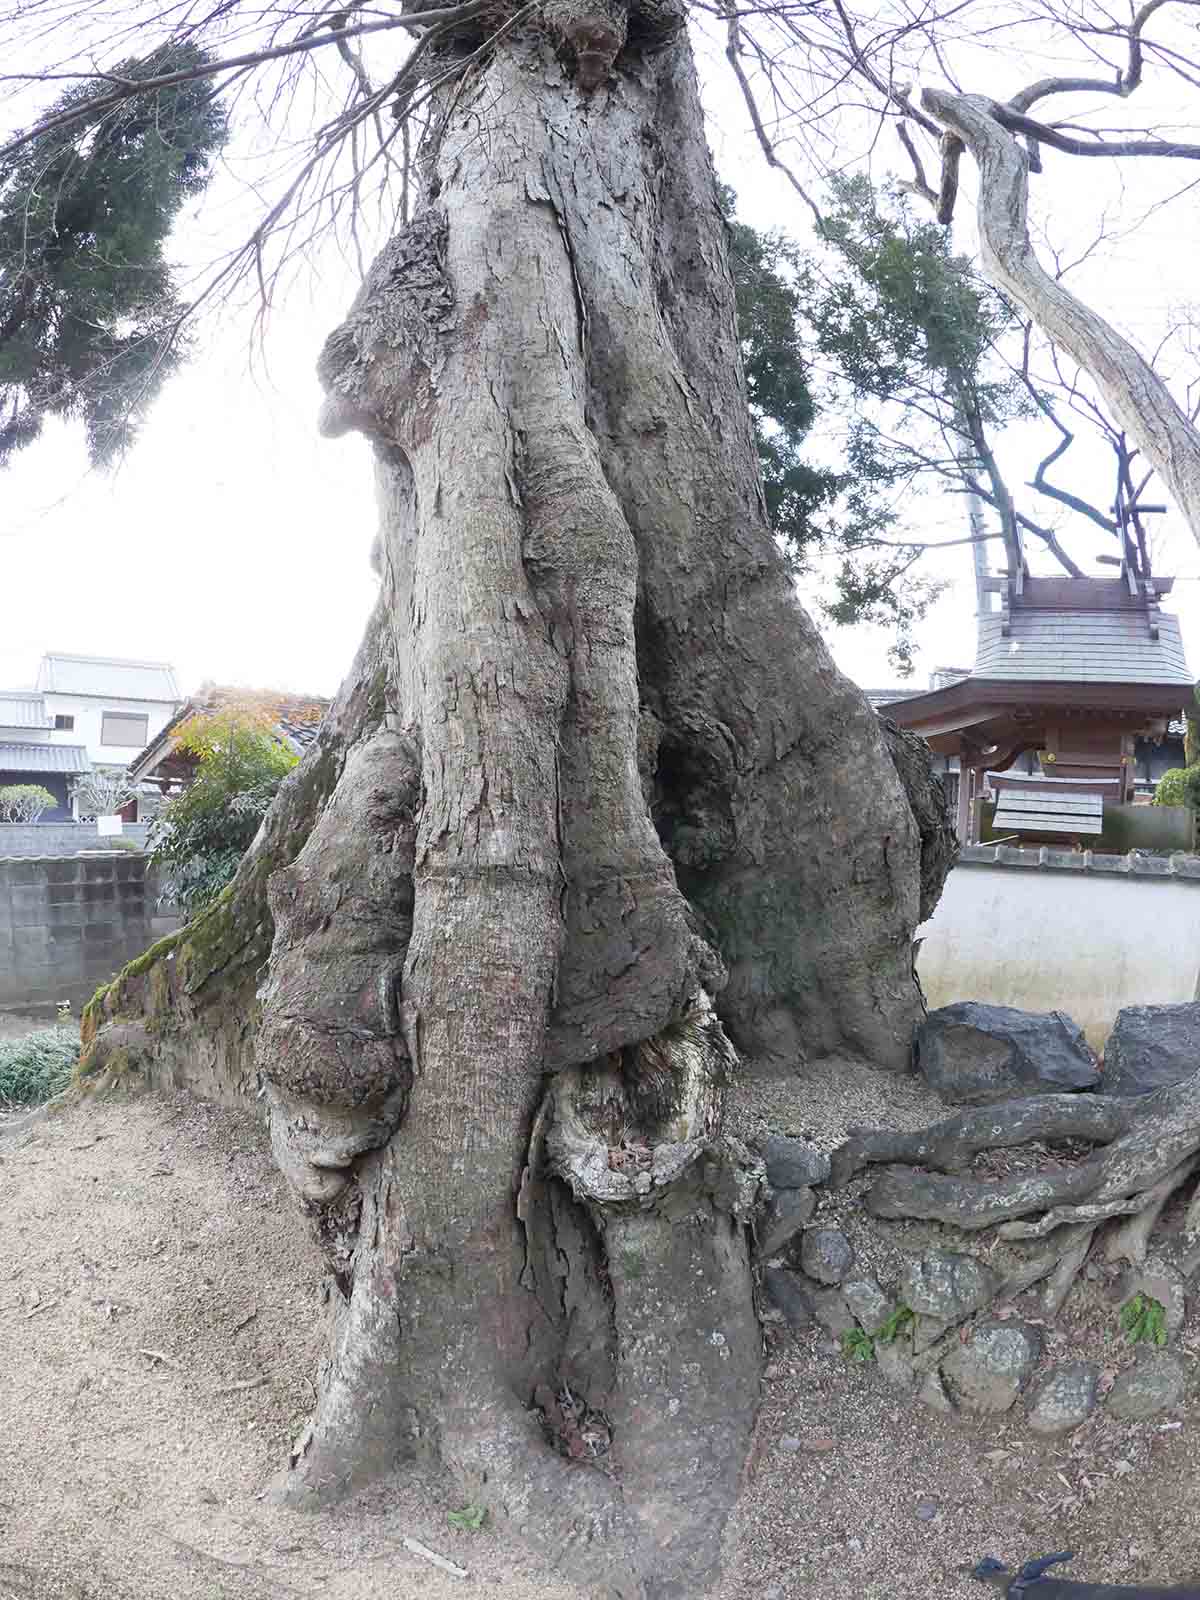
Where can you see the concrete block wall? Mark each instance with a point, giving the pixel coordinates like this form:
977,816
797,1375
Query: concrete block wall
60,838
68,924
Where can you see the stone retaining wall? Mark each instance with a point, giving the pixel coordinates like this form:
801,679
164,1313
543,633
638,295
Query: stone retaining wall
1077,931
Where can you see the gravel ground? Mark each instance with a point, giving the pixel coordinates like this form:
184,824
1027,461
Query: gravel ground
151,1269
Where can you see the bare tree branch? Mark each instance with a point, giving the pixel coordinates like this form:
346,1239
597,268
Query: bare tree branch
127,88
1126,82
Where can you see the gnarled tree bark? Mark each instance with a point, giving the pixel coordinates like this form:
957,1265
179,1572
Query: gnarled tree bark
594,803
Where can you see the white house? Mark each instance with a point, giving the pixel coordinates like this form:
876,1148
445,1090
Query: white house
84,712
113,708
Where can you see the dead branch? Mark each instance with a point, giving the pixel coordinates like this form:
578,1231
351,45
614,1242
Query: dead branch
952,150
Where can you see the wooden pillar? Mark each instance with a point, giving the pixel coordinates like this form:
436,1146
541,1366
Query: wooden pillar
965,774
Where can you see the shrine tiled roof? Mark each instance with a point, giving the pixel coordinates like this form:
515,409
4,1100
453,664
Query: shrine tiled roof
1081,647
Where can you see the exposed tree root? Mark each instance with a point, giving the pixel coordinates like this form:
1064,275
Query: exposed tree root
1070,1264
1129,1241
952,1145
1147,1149
1143,1141
1049,1263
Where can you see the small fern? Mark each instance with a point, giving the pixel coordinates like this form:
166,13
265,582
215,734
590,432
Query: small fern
469,1520
895,1325
858,1346
1144,1320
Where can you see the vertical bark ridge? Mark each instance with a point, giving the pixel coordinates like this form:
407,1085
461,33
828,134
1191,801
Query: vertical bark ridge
787,825
196,990
541,893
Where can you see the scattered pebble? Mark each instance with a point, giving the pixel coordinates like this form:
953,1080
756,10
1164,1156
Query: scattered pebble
926,1510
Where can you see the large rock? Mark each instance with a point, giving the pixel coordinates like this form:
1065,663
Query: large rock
933,1393
831,1311
896,1366
988,1372
1154,1383
868,1303
1158,1280
972,1054
947,1285
826,1254
783,1217
1065,1397
794,1163
790,1297
1151,1047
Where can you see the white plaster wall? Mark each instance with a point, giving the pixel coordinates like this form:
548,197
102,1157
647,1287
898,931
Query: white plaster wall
1070,941
88,713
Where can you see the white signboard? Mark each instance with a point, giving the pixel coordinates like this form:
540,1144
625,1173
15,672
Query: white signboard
106,826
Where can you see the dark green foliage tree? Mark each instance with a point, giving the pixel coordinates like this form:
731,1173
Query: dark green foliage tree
900,334
767,268
89,313
199,837
908,333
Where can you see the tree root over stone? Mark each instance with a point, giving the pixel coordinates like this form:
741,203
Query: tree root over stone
1147,1148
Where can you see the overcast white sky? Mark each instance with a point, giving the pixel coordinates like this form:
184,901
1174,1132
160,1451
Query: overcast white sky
234,541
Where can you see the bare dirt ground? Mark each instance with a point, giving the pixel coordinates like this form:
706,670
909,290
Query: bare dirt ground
160,1327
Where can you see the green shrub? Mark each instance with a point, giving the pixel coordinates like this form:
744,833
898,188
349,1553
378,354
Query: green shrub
24,802
199,836
858,1346
1179,787
469,1520
36,1066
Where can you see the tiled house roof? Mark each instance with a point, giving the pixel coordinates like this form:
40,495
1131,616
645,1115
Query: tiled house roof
34,758
296,719
103,677
21,708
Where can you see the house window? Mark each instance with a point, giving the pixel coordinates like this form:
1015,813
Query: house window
120,728
63,723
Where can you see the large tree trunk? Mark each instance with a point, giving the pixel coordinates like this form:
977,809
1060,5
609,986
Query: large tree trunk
594,776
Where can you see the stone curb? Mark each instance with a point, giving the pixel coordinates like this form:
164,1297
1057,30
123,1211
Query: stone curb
1045,858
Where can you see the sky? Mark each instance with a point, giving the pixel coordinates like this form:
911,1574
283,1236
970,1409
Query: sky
233,542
